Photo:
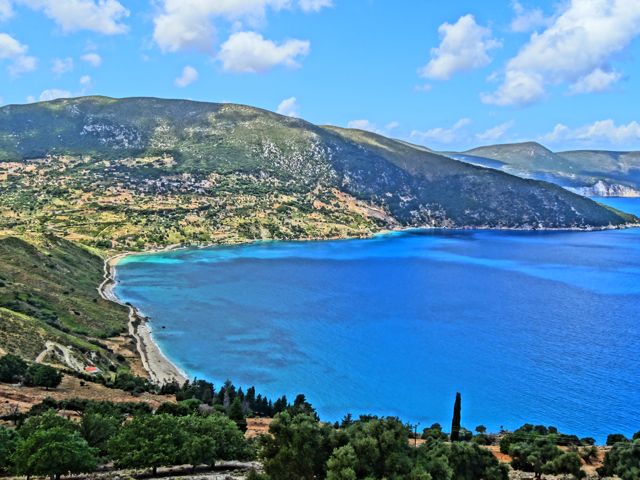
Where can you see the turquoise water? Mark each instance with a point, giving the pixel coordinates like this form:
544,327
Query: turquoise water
529,327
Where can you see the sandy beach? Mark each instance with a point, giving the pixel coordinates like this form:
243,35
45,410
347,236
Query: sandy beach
157,365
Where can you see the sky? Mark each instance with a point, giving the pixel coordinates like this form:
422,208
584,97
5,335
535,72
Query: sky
449,75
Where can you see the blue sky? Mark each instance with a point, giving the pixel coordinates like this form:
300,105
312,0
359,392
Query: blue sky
449,75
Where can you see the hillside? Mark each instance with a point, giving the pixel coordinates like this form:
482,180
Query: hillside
141,172
588,172
50,308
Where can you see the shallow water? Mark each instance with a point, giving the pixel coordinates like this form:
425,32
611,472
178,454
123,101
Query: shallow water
529,327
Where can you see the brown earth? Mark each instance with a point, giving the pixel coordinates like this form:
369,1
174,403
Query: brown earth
16,398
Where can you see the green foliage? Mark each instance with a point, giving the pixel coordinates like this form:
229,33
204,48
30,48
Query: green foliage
342,464
622,460
46,421
434,433
297,447
8,444
55,452
616,438
131,383
149,441
460,461
210,439
49,294
97,429
12,368
455,422
199,389
153,441
39,375
381,448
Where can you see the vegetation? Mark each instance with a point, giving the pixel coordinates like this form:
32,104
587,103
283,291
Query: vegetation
455,422
42,376
298,446
137,173
623,460
535,448
615,173
370,448
50,306
12,368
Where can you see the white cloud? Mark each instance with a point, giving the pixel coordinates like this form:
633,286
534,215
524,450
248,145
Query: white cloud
101,16
363,124
289,107
495,133
61,65
597,81
464,46
188,76
249,52
92,58
602,131
85,80
11,49
23,64
518,88
315,5
392,125
527,20
188,24
53,93
6,10
582,39
443,135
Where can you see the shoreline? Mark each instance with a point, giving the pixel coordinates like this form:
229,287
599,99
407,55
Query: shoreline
160,369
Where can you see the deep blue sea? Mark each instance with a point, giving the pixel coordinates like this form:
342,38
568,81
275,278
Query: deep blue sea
529,327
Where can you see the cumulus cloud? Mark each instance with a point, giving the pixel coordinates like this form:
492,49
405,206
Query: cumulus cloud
101,16
289,107
85,81
53,93
315,5
61,65
188,24
442,135
527,20
602,131
495,133
16,52
250,52
580,41
597,81
464,46
92,58
187,77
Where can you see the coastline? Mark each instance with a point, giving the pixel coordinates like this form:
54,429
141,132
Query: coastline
160,369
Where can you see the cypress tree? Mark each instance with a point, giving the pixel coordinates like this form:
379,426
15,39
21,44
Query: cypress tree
455,423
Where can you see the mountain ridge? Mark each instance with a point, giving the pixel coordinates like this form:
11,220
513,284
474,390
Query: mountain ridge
139,173
587,172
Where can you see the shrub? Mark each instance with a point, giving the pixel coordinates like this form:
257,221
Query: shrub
39,375
12,368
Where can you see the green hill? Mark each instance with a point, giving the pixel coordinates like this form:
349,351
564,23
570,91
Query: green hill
142,172
48,294
589,172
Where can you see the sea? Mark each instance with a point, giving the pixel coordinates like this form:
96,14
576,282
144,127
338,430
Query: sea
530,327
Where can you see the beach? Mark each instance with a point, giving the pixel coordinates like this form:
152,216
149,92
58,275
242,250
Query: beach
160,369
